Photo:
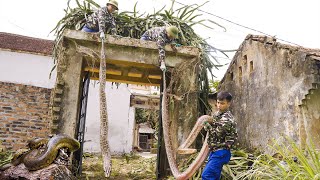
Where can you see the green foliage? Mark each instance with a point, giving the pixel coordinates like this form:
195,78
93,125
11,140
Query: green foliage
238,164
289,162
133,24
5,157
213,85
148,115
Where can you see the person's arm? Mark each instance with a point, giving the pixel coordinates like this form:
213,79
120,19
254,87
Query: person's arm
113,26
102,20
173,47
229,131
231,134
174,44
207,126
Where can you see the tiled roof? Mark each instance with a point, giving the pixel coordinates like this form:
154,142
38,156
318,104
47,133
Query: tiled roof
15,42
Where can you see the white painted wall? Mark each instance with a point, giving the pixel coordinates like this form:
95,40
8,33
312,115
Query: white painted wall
31,69
27,69
120,115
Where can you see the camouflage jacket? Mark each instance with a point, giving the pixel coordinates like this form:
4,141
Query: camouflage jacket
101,19
159,35
222,131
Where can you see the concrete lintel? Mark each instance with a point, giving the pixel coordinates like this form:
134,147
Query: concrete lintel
145,101
130,49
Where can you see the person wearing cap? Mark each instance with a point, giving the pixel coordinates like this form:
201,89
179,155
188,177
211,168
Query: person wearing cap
163,36
102,18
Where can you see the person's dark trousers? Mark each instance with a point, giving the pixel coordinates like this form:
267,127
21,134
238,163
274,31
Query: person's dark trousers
86,29
144,38
216,160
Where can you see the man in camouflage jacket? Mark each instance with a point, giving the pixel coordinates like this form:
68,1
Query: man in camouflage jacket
222,135
162,36
102,18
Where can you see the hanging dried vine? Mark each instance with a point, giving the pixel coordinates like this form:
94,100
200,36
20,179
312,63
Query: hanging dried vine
133,24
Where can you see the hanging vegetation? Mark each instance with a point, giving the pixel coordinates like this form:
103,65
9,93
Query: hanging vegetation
133,24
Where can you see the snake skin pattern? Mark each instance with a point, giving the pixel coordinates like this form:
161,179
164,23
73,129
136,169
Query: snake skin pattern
195,165
106,154
35,160
42,152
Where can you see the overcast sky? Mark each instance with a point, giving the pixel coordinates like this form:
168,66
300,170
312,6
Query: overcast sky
295,21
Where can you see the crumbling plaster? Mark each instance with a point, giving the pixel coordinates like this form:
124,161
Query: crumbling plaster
270,82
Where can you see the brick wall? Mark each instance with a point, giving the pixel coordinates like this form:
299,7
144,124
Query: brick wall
23,114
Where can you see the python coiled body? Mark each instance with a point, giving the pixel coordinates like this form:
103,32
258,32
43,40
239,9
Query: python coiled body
37,142
21,153
196,164
35,161
42,152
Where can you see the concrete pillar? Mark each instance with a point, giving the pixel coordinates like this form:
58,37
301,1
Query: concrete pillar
65,112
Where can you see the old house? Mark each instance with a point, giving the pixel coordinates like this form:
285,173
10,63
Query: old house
25,65
276,92
25,90
131,61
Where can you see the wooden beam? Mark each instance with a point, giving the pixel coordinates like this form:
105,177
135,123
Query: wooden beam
109,71
135,74
138,73
145,101
129,80
154,76
145,106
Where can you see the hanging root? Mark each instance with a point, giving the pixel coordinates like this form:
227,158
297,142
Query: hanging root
196,164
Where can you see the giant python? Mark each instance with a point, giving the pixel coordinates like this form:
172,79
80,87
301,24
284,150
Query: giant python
195,165
34,159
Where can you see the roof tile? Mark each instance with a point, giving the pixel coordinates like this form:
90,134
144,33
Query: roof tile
17,42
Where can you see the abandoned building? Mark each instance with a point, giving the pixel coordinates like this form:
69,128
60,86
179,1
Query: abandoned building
129,61
275,87
25,90
276,90
73,98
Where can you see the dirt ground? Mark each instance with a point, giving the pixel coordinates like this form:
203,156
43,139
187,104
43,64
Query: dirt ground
125,167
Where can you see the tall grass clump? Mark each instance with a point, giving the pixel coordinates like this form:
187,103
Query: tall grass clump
290,161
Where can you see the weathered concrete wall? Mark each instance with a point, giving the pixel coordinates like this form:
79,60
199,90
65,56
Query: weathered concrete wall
24,85
183,110
64,105
123,55
132,50
309,118
269,82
